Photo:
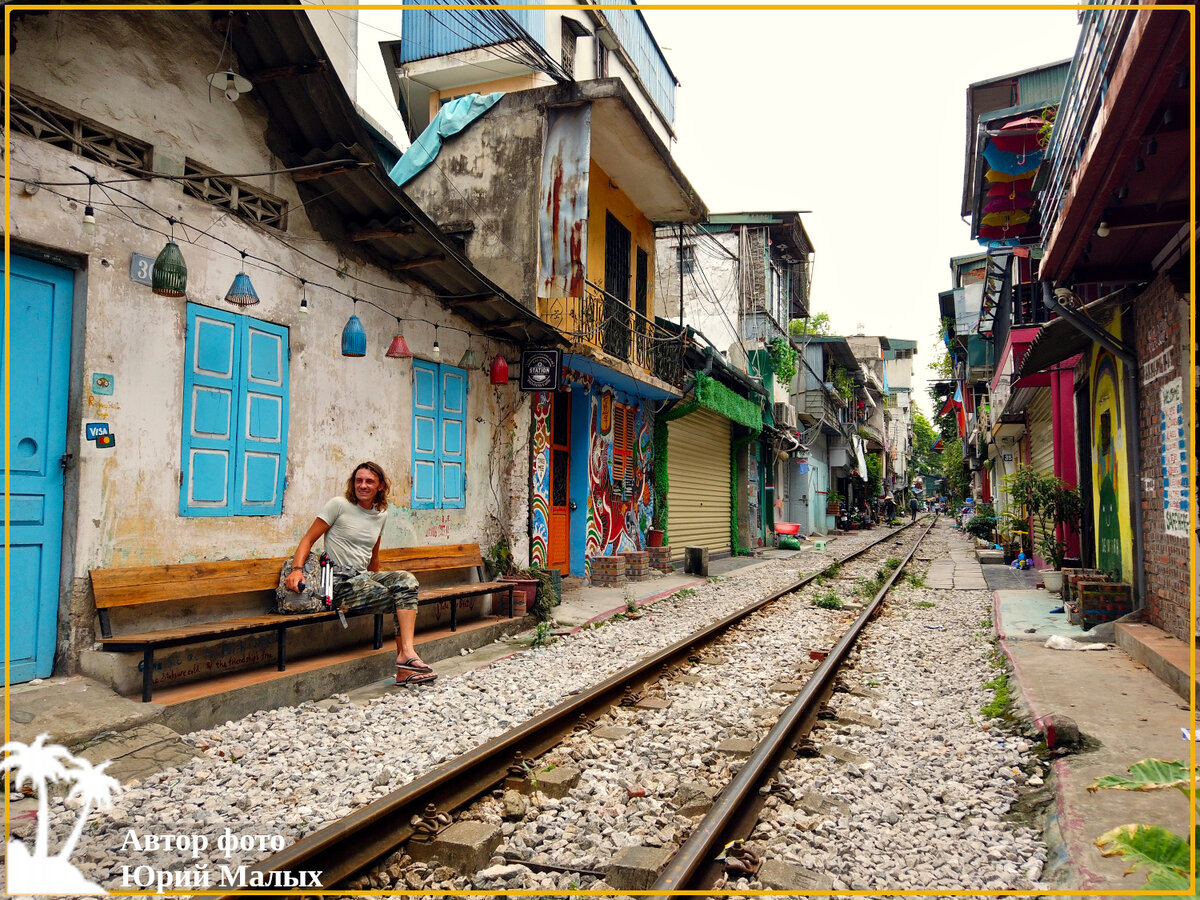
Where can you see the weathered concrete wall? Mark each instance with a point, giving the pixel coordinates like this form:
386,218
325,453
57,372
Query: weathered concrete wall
488,175
143,73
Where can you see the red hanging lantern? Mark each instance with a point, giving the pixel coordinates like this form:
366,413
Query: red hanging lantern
499,369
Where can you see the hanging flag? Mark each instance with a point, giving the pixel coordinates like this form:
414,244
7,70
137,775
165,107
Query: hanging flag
960,411
939,447
948,406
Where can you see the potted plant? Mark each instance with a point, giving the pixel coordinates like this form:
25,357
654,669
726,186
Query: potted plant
656,532
1055,507
833,503
504,567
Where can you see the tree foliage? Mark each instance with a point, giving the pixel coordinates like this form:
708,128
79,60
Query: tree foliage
814,325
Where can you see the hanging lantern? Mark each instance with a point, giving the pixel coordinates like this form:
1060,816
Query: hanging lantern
470,359
168,278
499,369
241,292
399,346
354,338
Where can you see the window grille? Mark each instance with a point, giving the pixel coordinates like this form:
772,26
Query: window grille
44,121
229,193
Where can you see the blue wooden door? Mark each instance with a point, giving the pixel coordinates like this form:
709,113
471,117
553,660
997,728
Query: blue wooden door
37,304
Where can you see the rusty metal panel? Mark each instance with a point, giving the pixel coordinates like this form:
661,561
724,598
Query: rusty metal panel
562,222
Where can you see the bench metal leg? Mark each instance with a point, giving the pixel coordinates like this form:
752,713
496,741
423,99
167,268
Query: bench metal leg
281,643
511,610
453,614
378,630
147,674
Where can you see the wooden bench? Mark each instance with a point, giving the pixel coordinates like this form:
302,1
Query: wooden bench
138,586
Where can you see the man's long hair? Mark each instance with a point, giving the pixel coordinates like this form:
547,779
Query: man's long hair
381,498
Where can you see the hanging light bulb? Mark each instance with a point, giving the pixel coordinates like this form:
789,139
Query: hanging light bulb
168,278
231,83
89,215
303,299
354,338
437,351
241,292
399,346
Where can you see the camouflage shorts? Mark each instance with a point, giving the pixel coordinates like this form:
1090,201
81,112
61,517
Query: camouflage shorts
376,591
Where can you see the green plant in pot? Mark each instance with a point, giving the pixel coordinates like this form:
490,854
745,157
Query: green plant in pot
1054,506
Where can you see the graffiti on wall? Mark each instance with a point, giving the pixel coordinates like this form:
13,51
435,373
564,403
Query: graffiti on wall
540,500
1174,459
1111,483
615,523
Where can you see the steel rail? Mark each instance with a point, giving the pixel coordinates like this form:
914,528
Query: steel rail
341,849
693,866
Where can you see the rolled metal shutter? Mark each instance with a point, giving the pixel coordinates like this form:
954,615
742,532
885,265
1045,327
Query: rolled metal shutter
699,513
1041,443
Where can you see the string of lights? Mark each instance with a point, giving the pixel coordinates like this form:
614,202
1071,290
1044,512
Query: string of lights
169,273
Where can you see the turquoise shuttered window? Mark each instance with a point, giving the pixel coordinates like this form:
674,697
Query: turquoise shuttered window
439,436
235,415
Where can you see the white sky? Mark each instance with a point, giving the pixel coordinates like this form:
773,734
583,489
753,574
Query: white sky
856,115
859,116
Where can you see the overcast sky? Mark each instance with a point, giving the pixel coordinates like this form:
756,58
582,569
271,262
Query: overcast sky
860,117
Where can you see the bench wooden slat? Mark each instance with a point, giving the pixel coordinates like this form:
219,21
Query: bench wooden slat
429,559
463,590
106,579
216,629
136,585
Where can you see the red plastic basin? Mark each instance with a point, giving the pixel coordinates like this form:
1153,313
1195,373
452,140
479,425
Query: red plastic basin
787,527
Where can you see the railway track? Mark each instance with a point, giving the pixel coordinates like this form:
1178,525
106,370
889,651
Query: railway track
421,811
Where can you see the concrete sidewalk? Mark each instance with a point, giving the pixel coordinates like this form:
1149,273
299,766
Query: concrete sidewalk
1123,712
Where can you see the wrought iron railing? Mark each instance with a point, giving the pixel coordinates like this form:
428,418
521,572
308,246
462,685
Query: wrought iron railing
1102,36
606,321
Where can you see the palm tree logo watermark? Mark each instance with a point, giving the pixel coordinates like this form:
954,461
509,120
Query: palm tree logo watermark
40,765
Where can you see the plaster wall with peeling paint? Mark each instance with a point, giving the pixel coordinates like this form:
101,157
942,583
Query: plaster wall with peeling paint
143,74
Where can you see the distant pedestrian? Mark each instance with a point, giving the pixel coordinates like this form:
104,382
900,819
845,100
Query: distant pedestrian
889,507
912,508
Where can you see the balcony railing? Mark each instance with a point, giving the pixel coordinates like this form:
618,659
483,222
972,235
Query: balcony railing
607,322
1101,37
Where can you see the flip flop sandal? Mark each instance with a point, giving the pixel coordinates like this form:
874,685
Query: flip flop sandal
414,665
414,677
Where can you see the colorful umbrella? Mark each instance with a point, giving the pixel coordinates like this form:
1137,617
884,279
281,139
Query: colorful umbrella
995,176
1000,232
1012,163
1020,136
1005,189
1005,204
1009,218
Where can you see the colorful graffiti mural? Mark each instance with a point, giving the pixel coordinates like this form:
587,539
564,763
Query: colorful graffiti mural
1109,468
540,499
617,523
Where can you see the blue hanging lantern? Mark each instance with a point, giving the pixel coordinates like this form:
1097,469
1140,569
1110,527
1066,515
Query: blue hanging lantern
241,292
354,338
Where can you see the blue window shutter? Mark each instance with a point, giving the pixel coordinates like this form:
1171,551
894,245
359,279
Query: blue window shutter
425,490
210,406
453,438
263,420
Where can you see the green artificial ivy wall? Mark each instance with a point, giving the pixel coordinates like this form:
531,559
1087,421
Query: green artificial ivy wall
713,395
662,481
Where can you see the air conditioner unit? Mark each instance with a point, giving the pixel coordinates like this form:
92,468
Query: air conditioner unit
785,415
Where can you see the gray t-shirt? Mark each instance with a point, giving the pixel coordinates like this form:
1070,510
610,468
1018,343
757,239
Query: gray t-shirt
352,532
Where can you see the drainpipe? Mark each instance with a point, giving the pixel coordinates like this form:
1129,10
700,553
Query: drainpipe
1133,415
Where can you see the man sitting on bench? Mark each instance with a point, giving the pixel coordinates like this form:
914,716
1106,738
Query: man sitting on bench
352,526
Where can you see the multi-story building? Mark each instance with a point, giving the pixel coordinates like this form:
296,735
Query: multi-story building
546,157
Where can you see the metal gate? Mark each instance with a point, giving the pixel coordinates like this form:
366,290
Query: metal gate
698,460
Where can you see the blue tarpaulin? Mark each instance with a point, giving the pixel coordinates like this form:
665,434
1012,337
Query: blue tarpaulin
450,120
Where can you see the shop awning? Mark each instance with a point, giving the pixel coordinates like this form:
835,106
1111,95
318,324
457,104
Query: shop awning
1058,339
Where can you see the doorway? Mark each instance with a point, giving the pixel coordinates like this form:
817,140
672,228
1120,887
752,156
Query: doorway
558,545
39,371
